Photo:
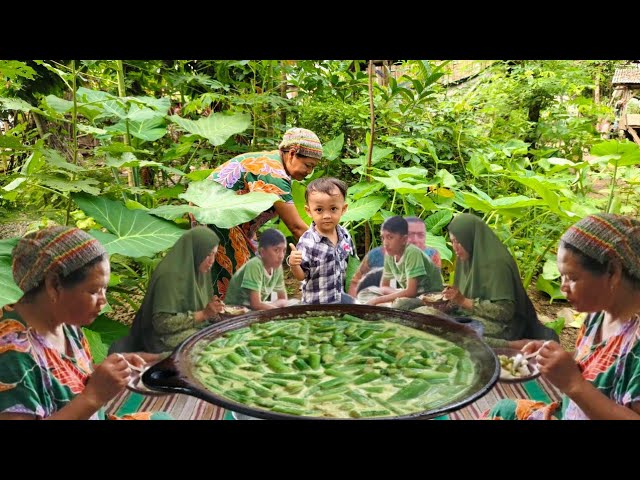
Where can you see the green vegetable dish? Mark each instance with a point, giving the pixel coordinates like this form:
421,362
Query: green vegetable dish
335,366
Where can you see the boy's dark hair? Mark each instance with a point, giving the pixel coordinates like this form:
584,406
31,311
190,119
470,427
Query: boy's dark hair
414,220
326,185
396,224
270,238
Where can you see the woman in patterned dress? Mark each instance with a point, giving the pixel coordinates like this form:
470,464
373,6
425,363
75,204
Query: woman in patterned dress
270,172
599,260
46,367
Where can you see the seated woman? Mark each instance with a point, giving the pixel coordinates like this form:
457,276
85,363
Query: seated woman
179,300
599,260
46,368
487,285
253,284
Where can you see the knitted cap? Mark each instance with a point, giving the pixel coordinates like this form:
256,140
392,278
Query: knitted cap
62,250
605,236
307,142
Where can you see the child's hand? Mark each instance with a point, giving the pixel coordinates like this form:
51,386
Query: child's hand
295,258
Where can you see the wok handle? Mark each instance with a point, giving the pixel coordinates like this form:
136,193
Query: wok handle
164,376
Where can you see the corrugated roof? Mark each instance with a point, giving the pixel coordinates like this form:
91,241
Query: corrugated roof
626,75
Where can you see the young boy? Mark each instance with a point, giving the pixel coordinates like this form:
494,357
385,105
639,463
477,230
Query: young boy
414,272
253,284
369,272
320,258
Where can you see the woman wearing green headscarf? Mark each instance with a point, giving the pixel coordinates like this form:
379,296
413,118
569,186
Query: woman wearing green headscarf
487,285
180,299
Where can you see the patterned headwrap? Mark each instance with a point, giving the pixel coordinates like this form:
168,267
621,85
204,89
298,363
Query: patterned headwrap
605,236
307,143
58,249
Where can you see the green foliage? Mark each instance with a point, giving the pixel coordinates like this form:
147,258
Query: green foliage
132,233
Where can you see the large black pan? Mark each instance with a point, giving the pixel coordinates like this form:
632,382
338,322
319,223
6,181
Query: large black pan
175,374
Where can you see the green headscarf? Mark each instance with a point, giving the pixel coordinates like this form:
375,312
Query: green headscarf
491,273
176,285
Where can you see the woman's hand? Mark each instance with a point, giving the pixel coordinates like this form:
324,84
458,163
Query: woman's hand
214,308
558,366
107,380
453,295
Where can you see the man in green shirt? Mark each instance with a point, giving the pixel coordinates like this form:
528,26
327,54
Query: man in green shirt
413,271
253,284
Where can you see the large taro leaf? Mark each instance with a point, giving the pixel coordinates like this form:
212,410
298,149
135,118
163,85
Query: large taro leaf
142,123
620,153
437,221
363,209
134,233
216,205
217,127
6,246
440,244
9,291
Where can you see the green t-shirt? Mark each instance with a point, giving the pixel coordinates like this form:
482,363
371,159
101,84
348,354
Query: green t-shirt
413,263
253,276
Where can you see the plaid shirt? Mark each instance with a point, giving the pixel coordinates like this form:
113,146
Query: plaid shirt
324,265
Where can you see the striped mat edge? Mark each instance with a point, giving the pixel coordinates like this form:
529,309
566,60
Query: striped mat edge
186,407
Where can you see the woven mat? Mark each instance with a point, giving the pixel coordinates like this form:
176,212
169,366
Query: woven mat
185,407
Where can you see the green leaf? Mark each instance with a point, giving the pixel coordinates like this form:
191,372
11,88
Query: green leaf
476,164
362,189
550,287
550,269
447,180
542,188
83,185
437,221
109,330
15,104
217,127
145,124
91,130
217,205
134,233
15,183
332,149
160,104
475,202
57,104
556,325
13,69
9,291
352,267
9,141
6,246
99,350
54,158
363,209
198,175
128,159
517,201
170,192
440,244
405,172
